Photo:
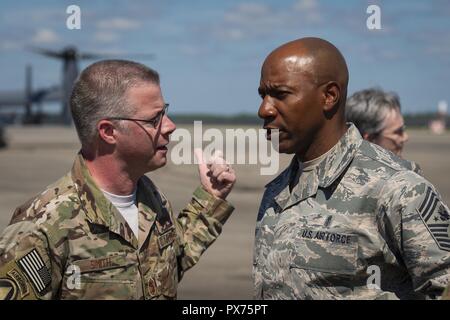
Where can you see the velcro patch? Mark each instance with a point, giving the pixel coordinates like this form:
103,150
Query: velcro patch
21,282
8,289
102,263
167,238
435,215
36,270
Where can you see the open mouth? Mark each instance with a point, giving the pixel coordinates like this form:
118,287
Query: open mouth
162,148
270,132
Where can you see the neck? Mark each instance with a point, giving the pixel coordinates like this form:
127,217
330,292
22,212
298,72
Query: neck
111,175
327,139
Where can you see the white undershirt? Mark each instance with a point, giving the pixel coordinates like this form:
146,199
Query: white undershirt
312,164
127,208
305,168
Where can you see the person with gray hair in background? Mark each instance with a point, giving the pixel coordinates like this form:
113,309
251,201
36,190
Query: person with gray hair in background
377,115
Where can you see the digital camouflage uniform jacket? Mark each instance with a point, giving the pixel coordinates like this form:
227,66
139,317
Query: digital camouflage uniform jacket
70,242
362,226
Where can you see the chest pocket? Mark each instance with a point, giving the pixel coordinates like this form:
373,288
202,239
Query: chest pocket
161,279
325,251
108,278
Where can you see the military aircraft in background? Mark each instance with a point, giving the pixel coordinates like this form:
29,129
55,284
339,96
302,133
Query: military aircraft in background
27,97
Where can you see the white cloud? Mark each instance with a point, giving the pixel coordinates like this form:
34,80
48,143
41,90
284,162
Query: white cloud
247,13
106,36
231,33
390,54
438,46
248,20
45,35
306,5
190,50
310,10
42,15
252,20
118,23
111,51
9,45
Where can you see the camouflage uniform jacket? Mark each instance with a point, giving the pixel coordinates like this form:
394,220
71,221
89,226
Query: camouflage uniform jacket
361,226
446,295
70,242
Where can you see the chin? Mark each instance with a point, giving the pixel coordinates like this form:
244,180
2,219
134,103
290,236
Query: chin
287,148
160,163
155,165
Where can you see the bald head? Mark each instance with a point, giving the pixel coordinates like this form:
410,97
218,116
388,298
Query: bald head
314,57
303,87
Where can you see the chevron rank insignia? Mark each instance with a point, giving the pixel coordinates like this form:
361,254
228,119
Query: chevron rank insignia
435,215
36,270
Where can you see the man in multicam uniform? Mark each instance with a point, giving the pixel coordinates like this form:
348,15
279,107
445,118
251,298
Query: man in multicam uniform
446,295
346,219
71,242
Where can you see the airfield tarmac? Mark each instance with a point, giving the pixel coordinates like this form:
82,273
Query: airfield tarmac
37,156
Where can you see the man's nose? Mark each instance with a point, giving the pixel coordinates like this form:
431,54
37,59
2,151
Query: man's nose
168,126
266,109
405,137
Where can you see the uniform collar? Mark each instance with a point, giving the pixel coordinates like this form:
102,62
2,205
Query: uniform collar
99,210
338,160
326,172
153,209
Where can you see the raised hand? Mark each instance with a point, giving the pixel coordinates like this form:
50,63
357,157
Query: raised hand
216,176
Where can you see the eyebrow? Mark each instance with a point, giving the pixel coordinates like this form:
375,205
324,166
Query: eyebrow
274,87
153,115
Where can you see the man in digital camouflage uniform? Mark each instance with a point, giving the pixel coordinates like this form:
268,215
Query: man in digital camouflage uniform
346,219
71,242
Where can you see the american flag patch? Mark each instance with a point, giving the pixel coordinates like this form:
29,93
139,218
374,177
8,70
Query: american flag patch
36,270
436,217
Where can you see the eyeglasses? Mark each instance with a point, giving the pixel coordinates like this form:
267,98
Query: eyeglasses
399,133
154,122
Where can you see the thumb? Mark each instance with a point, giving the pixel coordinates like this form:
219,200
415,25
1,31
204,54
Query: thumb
217,157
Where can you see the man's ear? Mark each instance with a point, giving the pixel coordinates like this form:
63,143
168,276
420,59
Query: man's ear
332,94
107,131
369,137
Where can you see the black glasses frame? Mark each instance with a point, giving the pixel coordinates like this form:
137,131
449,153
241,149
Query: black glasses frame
154,122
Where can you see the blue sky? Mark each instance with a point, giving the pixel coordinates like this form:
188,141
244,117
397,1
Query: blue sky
209,53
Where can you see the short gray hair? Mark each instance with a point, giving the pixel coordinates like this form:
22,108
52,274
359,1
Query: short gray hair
99,93
368,108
